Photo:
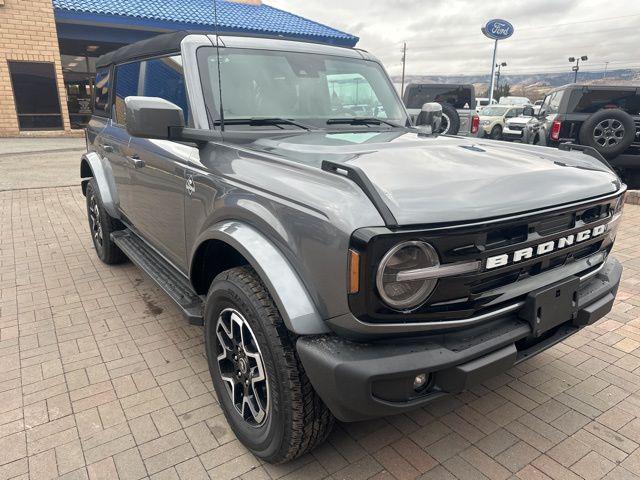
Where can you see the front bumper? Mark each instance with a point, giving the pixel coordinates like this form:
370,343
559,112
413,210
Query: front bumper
365,380
509,134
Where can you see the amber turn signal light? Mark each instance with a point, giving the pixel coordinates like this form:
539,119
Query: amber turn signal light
354,271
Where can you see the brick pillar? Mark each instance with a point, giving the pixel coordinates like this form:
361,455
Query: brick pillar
28,34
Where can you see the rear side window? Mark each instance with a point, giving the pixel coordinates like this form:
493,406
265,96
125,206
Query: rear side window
157,77
594,100
459,96
127,78
101,96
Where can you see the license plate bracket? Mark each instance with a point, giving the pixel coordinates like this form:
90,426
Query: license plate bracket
550,306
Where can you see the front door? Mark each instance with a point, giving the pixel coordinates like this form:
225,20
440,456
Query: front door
158,195
157,167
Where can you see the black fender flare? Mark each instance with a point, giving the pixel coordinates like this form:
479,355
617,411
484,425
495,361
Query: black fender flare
292,298
101,171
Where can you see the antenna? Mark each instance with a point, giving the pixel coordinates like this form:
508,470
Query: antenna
217,33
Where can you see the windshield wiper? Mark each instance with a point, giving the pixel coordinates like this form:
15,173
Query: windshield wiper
258,121
362,121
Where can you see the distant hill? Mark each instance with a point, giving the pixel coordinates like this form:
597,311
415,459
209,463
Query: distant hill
618,77
532,85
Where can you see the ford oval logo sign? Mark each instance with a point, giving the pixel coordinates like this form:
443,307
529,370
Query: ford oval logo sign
498,29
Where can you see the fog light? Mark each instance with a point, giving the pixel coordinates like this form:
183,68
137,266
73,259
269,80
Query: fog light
420,382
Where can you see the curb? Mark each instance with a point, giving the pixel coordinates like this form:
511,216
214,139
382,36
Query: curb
633,197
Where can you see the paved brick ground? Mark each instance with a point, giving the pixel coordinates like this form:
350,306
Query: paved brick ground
100,377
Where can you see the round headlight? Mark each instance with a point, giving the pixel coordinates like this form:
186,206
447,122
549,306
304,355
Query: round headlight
406,294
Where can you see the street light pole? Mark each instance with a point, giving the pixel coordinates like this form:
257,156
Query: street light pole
499,65
404,62
576,67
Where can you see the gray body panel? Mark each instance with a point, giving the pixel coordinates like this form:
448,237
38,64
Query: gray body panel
270,200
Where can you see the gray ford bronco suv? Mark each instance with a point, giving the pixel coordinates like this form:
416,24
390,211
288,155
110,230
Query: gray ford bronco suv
343,263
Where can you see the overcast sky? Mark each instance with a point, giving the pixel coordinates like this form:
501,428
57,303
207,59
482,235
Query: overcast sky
443,36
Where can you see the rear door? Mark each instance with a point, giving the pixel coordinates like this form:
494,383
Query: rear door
113,142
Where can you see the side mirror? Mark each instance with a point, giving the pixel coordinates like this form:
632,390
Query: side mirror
151,117
528,111
430,116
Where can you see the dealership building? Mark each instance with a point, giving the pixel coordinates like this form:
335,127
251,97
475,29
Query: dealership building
48,48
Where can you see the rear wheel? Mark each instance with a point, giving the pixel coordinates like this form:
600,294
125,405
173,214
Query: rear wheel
609,131
101,224
261,385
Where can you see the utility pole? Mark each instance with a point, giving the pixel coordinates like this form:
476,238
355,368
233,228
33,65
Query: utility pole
576,67
604,75
404,62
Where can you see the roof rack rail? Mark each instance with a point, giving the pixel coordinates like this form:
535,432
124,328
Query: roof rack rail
358,177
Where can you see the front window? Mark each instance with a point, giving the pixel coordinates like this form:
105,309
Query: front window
311,89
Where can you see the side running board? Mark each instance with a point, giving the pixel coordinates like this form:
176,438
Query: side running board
160,271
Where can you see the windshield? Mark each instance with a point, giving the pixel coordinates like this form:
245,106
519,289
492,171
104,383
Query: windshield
308,88
493,111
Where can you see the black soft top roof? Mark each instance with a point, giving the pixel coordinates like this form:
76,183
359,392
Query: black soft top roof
158,45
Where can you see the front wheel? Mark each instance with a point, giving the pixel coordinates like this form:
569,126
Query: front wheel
261,385
496,132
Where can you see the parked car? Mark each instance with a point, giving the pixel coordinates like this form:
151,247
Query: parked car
519,128
482,102
524,127
514,101
342,266
458,105
493,118
606,118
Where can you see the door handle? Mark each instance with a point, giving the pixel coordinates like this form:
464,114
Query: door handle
108,148
137,161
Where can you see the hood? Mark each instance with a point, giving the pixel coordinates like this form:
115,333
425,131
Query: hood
428,179
519,120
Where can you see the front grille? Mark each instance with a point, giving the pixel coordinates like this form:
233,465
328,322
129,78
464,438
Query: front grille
467,295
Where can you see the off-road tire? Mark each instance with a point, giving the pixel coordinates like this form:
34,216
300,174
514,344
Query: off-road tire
106,250
592,128
496,132
297,419
452,117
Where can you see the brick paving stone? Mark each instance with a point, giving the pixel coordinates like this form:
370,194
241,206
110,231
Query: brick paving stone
593,466
94,385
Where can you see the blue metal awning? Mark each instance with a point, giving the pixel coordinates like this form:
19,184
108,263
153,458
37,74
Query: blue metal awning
167,15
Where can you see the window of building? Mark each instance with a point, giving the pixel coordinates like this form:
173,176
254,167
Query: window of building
157,77
36,95
102,89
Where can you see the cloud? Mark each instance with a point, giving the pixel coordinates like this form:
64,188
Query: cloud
443,36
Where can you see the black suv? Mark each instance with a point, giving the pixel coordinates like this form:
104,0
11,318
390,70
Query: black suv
606,118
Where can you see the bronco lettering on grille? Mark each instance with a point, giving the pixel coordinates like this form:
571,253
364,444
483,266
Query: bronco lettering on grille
543,248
